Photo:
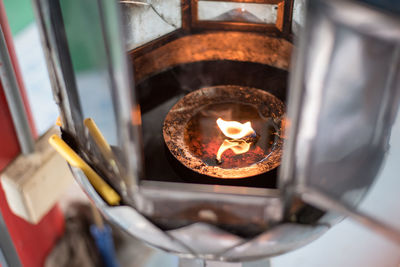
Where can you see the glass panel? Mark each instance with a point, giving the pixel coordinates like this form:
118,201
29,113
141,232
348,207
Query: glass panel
348,92
146,21
91,69
86,45
237,12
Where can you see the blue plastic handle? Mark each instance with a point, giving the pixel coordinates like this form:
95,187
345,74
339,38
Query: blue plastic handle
105,244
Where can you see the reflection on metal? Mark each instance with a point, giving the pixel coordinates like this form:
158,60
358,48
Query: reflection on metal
223,205
7,249
152,7
14,99
130,220
3,261
149,20
203,240
342,114
124,102
299,9
323,201
134,2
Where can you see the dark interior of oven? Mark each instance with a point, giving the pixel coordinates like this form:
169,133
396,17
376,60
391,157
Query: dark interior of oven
159,92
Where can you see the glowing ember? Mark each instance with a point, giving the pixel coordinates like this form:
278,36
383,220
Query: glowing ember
236,131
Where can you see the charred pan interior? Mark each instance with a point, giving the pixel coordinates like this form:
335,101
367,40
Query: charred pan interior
226,131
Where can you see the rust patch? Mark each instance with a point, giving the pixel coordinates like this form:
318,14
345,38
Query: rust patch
236,46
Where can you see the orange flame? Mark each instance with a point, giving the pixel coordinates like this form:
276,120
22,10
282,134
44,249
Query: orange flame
238,147
236,131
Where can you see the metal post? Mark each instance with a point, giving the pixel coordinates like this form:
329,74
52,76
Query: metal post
8,253
14,99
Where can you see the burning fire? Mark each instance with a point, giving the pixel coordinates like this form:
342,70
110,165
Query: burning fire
234,129
237,146
237,133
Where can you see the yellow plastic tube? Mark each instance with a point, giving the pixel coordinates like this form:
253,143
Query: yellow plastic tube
102,143
98,138
106,191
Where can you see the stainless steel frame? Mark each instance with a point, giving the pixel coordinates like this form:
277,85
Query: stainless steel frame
205,241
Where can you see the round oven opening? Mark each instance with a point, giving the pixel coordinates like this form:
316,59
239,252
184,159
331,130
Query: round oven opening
226,131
